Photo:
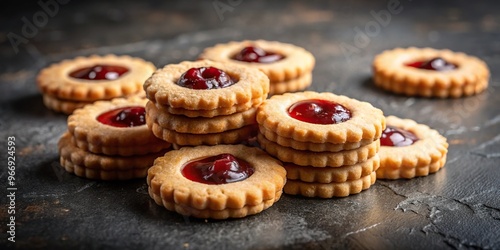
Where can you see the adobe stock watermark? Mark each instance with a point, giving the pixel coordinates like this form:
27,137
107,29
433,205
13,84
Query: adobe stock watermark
31,26
371,29
223,6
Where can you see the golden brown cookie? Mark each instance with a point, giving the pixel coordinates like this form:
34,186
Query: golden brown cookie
116,127
185,139
329,190
409,173
430,73
294,61
94,166
419,153
201,125
63,106
329,174
84,78
310,146
319,159
163,89
297,84
215,194
213,112
365,122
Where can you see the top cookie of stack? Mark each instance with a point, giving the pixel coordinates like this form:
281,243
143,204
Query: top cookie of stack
204,102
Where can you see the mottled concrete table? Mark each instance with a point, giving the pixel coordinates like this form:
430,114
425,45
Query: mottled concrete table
458,207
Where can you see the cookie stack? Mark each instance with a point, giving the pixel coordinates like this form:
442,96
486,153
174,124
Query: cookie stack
328,143
204,102
72,84
109,140
288,67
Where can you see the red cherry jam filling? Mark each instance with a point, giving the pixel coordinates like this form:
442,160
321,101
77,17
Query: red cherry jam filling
99,72
205,78
257,55
124,117
219,169
437,64
319,112
395,137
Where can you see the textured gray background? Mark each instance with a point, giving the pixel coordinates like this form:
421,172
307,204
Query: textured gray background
456,208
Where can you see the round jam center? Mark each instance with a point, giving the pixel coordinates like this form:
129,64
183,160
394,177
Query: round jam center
219,169
396,137
257,55
319,112
124,117
205,78
99,72
437,64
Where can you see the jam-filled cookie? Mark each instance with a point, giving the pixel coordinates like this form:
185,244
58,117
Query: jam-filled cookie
116,127
430,73
219,182
204,102
71,84
110,140
205,85
409,149
288,66
321,118
328,143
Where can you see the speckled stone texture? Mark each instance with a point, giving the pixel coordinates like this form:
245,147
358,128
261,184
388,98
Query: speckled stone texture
456,208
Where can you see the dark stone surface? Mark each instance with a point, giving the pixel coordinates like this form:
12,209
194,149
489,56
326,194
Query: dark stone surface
456,208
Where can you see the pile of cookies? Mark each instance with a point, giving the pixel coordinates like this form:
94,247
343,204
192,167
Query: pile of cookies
72,84
204,102
328,143
312,144
288,67
109,140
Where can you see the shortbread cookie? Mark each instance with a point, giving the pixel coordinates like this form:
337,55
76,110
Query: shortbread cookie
226,137
332,118
329,175
215,214
409,173
329,190
205,85
319,159
297,84
201,125
63,106
216,182
310,146
213,112
116,127
94,78
430,73
279,61
94,166
406,145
